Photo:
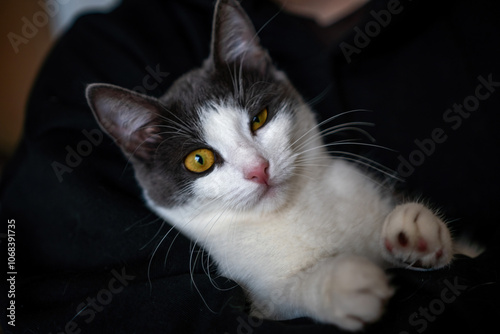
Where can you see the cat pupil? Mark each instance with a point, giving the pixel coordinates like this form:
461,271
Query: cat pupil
259,120
199,159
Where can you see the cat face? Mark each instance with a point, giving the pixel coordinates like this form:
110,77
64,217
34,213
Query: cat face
229,134
245,157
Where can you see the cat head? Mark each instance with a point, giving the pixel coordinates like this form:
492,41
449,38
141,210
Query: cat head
230,133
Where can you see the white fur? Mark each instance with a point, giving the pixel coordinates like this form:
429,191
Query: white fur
313,244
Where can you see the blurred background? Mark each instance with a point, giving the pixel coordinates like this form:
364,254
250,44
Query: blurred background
28,29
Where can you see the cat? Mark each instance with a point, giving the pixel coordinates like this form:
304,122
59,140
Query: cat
233,157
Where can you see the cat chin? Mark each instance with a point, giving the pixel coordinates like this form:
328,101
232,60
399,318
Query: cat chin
271,198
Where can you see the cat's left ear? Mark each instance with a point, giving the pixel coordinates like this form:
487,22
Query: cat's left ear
130,118
234,39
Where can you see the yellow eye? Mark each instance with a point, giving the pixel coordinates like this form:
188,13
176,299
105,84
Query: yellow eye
200,160
259,120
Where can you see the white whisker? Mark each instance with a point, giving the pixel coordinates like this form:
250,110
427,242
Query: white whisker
319,125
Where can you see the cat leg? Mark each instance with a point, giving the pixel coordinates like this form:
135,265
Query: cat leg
413,236
348,291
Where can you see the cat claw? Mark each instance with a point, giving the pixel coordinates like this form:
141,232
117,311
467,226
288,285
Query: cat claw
415,237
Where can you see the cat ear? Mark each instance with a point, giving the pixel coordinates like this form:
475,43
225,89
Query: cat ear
234,39
130,118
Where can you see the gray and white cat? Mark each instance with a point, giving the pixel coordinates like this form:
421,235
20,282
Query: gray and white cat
232,156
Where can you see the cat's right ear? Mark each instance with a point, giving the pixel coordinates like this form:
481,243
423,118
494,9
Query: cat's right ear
234,39
130,118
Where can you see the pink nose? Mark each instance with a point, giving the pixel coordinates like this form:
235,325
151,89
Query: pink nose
258,173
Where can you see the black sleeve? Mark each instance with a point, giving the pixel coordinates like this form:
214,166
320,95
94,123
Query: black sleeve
91,258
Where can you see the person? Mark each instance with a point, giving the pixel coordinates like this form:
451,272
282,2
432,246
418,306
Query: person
91,258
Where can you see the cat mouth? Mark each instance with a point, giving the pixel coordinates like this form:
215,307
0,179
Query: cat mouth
270,198
275,189
269,190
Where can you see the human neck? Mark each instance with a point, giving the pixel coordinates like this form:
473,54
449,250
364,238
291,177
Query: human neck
324,12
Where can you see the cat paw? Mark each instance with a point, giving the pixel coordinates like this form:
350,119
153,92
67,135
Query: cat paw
415,237
355,295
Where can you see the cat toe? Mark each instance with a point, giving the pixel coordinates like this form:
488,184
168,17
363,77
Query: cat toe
356,294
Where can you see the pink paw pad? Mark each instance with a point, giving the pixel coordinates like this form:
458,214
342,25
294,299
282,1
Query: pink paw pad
439,254
421,245
388,245
402,239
